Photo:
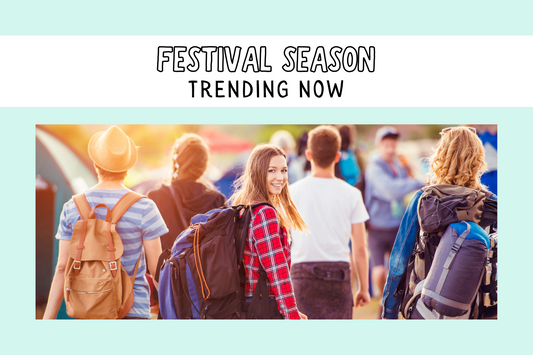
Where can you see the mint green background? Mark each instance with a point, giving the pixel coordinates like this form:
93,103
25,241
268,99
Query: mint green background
275,17
21,333
371,336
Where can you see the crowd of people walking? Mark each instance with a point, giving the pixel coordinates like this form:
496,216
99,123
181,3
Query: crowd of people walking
328,230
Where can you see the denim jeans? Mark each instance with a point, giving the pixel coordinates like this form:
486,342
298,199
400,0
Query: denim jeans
399,257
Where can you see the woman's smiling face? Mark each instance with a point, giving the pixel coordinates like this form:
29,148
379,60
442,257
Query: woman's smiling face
277,174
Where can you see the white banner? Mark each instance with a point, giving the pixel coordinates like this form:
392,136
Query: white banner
256,71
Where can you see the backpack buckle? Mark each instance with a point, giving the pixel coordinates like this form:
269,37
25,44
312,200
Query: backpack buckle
113,265
77,265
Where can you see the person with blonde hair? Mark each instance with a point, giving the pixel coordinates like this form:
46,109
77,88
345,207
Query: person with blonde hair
458,160
267,250
188,193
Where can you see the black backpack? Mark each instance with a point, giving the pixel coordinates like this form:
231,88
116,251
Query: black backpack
202,277
440,209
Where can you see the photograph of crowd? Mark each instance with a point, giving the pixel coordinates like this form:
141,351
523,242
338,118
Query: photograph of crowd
203,221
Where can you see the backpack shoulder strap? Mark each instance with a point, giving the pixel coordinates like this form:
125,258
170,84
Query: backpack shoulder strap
84,209
253,206
124,204
242,233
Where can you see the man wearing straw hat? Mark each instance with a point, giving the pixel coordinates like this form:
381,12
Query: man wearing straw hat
139,228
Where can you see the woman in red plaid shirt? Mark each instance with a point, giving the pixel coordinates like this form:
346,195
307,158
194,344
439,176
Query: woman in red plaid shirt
268,247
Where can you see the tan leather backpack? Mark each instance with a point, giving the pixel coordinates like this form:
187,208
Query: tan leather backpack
96,284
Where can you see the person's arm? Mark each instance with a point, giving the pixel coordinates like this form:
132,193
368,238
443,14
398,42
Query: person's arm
58,282
269,249
359,258
399,258
387,188
153,227
152,250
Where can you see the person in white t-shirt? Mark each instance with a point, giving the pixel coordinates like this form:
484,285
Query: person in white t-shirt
335,213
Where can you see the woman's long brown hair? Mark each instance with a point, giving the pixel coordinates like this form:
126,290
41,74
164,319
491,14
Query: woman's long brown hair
251,187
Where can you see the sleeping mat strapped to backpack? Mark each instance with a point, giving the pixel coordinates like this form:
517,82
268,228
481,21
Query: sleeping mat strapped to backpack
455,274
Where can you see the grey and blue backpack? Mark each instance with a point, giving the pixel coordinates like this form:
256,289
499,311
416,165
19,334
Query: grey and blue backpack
452,271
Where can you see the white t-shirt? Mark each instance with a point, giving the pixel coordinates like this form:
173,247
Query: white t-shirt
329,207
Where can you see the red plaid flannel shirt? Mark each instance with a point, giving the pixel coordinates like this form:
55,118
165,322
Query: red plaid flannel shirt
269,246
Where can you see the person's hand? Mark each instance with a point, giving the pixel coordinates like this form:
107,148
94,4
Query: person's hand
302,316
362,298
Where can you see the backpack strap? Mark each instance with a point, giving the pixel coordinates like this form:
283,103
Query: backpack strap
453,252
124,204
246,216
135,270
116,213
84,209
261,288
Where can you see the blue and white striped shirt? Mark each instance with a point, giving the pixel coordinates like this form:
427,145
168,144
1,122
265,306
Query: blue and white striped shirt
142,221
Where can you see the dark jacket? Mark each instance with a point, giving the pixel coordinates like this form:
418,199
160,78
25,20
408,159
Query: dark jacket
193,198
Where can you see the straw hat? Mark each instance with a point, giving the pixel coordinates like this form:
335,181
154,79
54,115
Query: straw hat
113,150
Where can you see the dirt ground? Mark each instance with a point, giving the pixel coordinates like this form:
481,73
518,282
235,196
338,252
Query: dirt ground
370,311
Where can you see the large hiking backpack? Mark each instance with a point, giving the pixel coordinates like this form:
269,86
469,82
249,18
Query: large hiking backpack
201,277
96,284
452,270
